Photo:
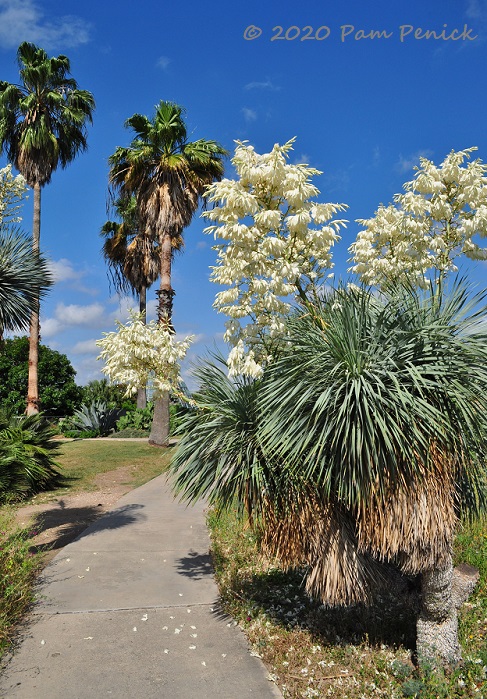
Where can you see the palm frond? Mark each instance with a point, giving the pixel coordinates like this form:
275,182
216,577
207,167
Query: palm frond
24,276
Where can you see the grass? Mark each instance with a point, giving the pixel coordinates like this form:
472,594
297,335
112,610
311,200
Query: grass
352,653
81,462
18,568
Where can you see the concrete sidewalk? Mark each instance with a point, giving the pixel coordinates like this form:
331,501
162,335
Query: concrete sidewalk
129,610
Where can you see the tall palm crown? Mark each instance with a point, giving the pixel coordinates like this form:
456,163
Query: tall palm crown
42,121
132,257
42,125
168,175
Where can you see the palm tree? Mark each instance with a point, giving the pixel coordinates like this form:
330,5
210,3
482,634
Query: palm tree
42,125
24,277
133,260
168,175
372,428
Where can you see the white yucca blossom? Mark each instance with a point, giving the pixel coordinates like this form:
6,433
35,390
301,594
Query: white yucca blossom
137,352
428,226
276,246
12,191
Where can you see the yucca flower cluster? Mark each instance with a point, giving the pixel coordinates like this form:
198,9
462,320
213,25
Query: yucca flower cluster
12,190
428,226
276,245
137,352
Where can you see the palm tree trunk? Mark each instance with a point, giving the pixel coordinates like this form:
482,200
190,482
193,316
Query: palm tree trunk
160,424
33,383
166,292
142,392
437,627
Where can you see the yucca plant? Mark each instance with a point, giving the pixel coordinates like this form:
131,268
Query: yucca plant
363,444
380,406
219,456
27,456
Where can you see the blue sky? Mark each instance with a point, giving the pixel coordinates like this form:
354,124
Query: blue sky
364,86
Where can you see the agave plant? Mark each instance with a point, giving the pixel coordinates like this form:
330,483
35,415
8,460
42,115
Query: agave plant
27,455
95,417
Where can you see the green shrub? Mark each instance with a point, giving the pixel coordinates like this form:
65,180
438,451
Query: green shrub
138,419
81,434
27,456
102,391
141,420
59,395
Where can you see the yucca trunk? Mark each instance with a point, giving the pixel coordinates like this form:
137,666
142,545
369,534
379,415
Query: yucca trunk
437,627
142,392
33,382
159,434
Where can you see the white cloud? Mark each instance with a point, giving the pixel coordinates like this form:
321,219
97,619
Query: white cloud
85,347
264,85
163,62
24,20
88,369
301,159
62,270
50,327
406,164
65,272
93,314
249,114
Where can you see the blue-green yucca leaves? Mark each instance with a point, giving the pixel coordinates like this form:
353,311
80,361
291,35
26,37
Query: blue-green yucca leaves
219,456
361,395
24,276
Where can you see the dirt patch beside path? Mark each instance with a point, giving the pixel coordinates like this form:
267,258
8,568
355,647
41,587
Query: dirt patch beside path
61,520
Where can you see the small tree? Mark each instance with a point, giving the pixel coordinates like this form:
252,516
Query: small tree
102,391
24,276
428,227
138,353
133,259
57,388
